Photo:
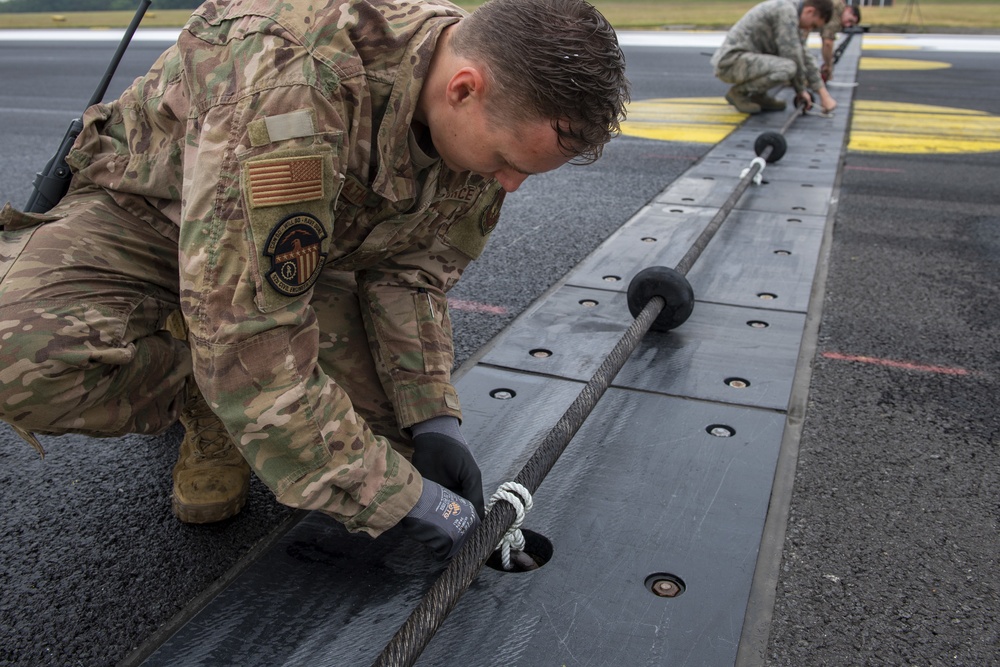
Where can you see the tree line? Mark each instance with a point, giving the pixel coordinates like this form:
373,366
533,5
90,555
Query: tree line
18,6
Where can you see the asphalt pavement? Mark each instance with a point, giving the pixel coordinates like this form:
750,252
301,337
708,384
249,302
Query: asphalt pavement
889,552
891,555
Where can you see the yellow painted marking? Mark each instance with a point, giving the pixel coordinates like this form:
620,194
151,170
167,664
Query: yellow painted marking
873,64
891,46
882,127
701,120
883,42
879,127
886,107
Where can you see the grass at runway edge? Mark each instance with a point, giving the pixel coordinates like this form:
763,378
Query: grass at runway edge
959,16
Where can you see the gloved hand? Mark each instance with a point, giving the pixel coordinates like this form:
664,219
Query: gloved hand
441,519
447,461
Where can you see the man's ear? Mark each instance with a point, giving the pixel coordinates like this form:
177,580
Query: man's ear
807,17
466,85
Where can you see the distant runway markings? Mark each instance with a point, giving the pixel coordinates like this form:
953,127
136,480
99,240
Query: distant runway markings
700,120
899,127
869,45
899,64
876,127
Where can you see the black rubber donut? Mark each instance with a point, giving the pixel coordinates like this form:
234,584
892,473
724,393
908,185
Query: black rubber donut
667,283
775,141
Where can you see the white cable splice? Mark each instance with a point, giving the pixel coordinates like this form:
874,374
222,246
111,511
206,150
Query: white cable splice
759,176
518,496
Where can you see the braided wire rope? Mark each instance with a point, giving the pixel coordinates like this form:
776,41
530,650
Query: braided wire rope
843,45
409,641
748,176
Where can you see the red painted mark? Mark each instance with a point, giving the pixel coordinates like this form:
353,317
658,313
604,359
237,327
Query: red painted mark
476,307
884,170
910,366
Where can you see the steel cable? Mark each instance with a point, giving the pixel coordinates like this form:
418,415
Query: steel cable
409,641
707,234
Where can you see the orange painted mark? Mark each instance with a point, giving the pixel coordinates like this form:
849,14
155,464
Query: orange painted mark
906,365
476,307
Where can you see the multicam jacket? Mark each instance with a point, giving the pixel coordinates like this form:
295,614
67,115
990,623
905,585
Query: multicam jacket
833,26
273,141
772,27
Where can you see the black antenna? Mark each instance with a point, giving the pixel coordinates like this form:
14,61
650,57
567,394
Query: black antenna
52,182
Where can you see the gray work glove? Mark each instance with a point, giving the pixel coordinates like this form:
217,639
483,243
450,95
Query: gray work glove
441,519
448,461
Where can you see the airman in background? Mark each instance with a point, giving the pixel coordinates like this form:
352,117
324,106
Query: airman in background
844,17
767,48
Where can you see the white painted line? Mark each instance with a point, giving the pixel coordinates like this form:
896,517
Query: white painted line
952,43
96,35
670,38
655,38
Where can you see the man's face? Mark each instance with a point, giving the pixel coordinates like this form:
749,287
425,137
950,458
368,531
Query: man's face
472,141
470,134
847,19
810,19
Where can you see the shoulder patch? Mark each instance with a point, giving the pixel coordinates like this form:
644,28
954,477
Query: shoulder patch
294,248
469,234
491,215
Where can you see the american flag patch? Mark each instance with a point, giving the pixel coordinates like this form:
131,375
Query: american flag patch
285,181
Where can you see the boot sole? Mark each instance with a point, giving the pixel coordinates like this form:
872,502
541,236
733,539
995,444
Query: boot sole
207,513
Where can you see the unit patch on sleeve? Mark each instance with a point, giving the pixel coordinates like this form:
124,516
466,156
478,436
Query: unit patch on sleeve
295,250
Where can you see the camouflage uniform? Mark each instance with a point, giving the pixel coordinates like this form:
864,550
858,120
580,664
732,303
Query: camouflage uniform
263,178
832,27
828,36
765,49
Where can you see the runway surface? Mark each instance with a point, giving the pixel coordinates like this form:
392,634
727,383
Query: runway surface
887,553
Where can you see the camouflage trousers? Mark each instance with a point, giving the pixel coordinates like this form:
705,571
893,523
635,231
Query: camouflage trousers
85,292
753,73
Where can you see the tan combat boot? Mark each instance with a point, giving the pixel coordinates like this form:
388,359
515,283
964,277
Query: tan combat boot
741,101
211,477
768,103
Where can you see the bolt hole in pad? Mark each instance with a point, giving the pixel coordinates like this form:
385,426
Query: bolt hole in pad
720,430
665,585
537,552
